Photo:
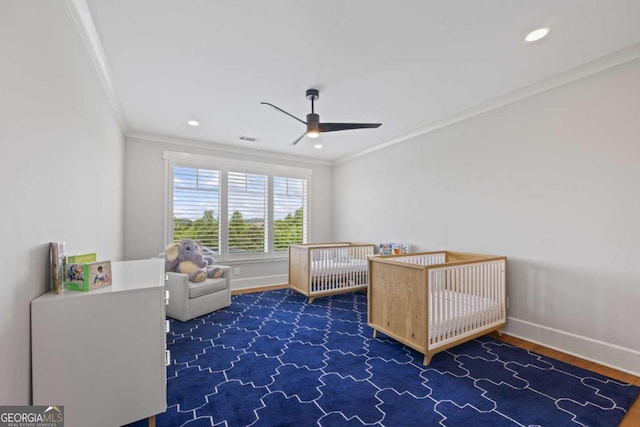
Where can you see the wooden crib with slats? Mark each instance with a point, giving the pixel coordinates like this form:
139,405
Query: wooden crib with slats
321,269
432,301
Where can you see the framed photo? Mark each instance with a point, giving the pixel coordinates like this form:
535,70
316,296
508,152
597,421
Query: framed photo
99,274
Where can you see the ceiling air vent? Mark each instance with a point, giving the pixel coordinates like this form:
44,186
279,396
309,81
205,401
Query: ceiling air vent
249,138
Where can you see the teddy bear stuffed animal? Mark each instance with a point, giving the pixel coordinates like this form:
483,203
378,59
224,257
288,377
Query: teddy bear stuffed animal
187,257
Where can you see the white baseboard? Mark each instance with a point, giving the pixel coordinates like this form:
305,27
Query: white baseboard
258,282
607,354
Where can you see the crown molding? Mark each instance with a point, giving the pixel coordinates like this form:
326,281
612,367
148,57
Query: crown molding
225,148
601,64
80,15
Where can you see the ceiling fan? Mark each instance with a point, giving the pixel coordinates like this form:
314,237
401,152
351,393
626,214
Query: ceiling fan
314,127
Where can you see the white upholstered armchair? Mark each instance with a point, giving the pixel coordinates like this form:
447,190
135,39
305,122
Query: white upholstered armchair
188,300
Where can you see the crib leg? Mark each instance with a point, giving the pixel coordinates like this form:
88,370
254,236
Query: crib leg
499,332
311,300
427,359
375,333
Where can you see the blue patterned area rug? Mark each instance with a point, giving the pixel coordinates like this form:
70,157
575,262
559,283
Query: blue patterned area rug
271,359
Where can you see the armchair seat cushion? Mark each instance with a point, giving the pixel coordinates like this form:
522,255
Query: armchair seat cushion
206,287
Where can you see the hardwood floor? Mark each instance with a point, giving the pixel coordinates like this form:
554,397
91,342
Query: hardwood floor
261,289
632,419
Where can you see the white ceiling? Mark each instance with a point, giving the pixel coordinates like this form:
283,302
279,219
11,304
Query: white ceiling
409,64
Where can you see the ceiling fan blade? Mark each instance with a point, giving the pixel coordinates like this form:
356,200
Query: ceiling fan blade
282,111
293,144
333,127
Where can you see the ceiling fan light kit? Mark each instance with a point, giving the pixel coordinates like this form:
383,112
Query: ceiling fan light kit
314,126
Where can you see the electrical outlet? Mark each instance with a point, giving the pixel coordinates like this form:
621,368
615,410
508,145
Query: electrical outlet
236,270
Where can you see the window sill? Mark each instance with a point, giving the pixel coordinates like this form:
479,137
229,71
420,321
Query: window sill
237,261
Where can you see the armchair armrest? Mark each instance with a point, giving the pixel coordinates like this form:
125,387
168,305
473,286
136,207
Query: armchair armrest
177,281
178,286
227,272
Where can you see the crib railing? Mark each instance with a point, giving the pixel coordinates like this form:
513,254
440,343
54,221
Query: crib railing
425,259
335,268
483,287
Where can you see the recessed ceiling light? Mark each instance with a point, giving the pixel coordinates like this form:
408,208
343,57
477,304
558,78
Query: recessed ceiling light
536,35
318,146
193,123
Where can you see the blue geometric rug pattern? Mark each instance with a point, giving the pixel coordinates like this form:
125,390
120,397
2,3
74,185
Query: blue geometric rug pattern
272,359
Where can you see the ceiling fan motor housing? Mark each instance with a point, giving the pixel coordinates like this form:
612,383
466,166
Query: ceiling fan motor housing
313,123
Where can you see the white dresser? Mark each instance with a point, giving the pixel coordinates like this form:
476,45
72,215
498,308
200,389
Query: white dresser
101,353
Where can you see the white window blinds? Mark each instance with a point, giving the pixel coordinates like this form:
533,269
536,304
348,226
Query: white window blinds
248,205
196,207
236,209
290,212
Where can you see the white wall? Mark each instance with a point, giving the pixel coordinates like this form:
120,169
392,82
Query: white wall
144,203
61,163
552,182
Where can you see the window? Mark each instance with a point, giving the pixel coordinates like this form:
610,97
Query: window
196,206
248,206
289,208
237,212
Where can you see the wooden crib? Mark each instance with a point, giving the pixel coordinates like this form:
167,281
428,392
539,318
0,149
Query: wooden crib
432,301
321,269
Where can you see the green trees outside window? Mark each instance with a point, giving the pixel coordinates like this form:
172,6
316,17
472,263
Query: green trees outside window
205,230
244,235
288,231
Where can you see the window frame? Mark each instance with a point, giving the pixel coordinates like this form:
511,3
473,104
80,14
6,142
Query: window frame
226,165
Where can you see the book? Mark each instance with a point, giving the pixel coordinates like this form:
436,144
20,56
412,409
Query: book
393,248
384,248
57,254
84,273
